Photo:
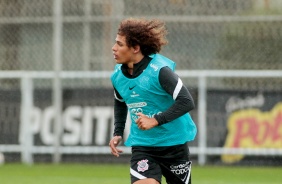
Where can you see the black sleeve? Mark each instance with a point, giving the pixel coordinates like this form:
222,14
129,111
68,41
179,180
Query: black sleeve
120,114
173,85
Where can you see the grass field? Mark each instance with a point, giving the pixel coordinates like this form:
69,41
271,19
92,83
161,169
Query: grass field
119,174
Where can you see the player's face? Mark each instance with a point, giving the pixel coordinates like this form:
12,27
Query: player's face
122,53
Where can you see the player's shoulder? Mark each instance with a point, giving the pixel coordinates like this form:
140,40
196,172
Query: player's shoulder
162,61
117,69
167,73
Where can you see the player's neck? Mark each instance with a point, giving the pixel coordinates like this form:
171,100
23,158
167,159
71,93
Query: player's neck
136,60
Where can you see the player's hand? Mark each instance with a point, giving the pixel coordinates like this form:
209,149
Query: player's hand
145,123
113,145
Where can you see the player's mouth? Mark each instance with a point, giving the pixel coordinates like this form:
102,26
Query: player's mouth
115,56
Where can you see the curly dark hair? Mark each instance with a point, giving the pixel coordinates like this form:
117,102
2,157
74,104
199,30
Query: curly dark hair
150,35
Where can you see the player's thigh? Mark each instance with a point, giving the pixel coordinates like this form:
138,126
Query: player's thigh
144,168
177,169
147,181
177,172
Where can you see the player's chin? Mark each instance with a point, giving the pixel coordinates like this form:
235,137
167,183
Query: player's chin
119,61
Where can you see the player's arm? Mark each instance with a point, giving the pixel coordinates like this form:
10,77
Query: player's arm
173,85
120,114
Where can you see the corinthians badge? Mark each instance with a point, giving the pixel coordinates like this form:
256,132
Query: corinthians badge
142,165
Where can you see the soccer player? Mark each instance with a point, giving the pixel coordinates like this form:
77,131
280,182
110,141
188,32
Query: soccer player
146,86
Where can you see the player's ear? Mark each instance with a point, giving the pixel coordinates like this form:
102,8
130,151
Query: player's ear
136,49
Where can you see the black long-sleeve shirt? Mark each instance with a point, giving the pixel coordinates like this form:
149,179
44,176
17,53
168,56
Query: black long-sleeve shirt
170,82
